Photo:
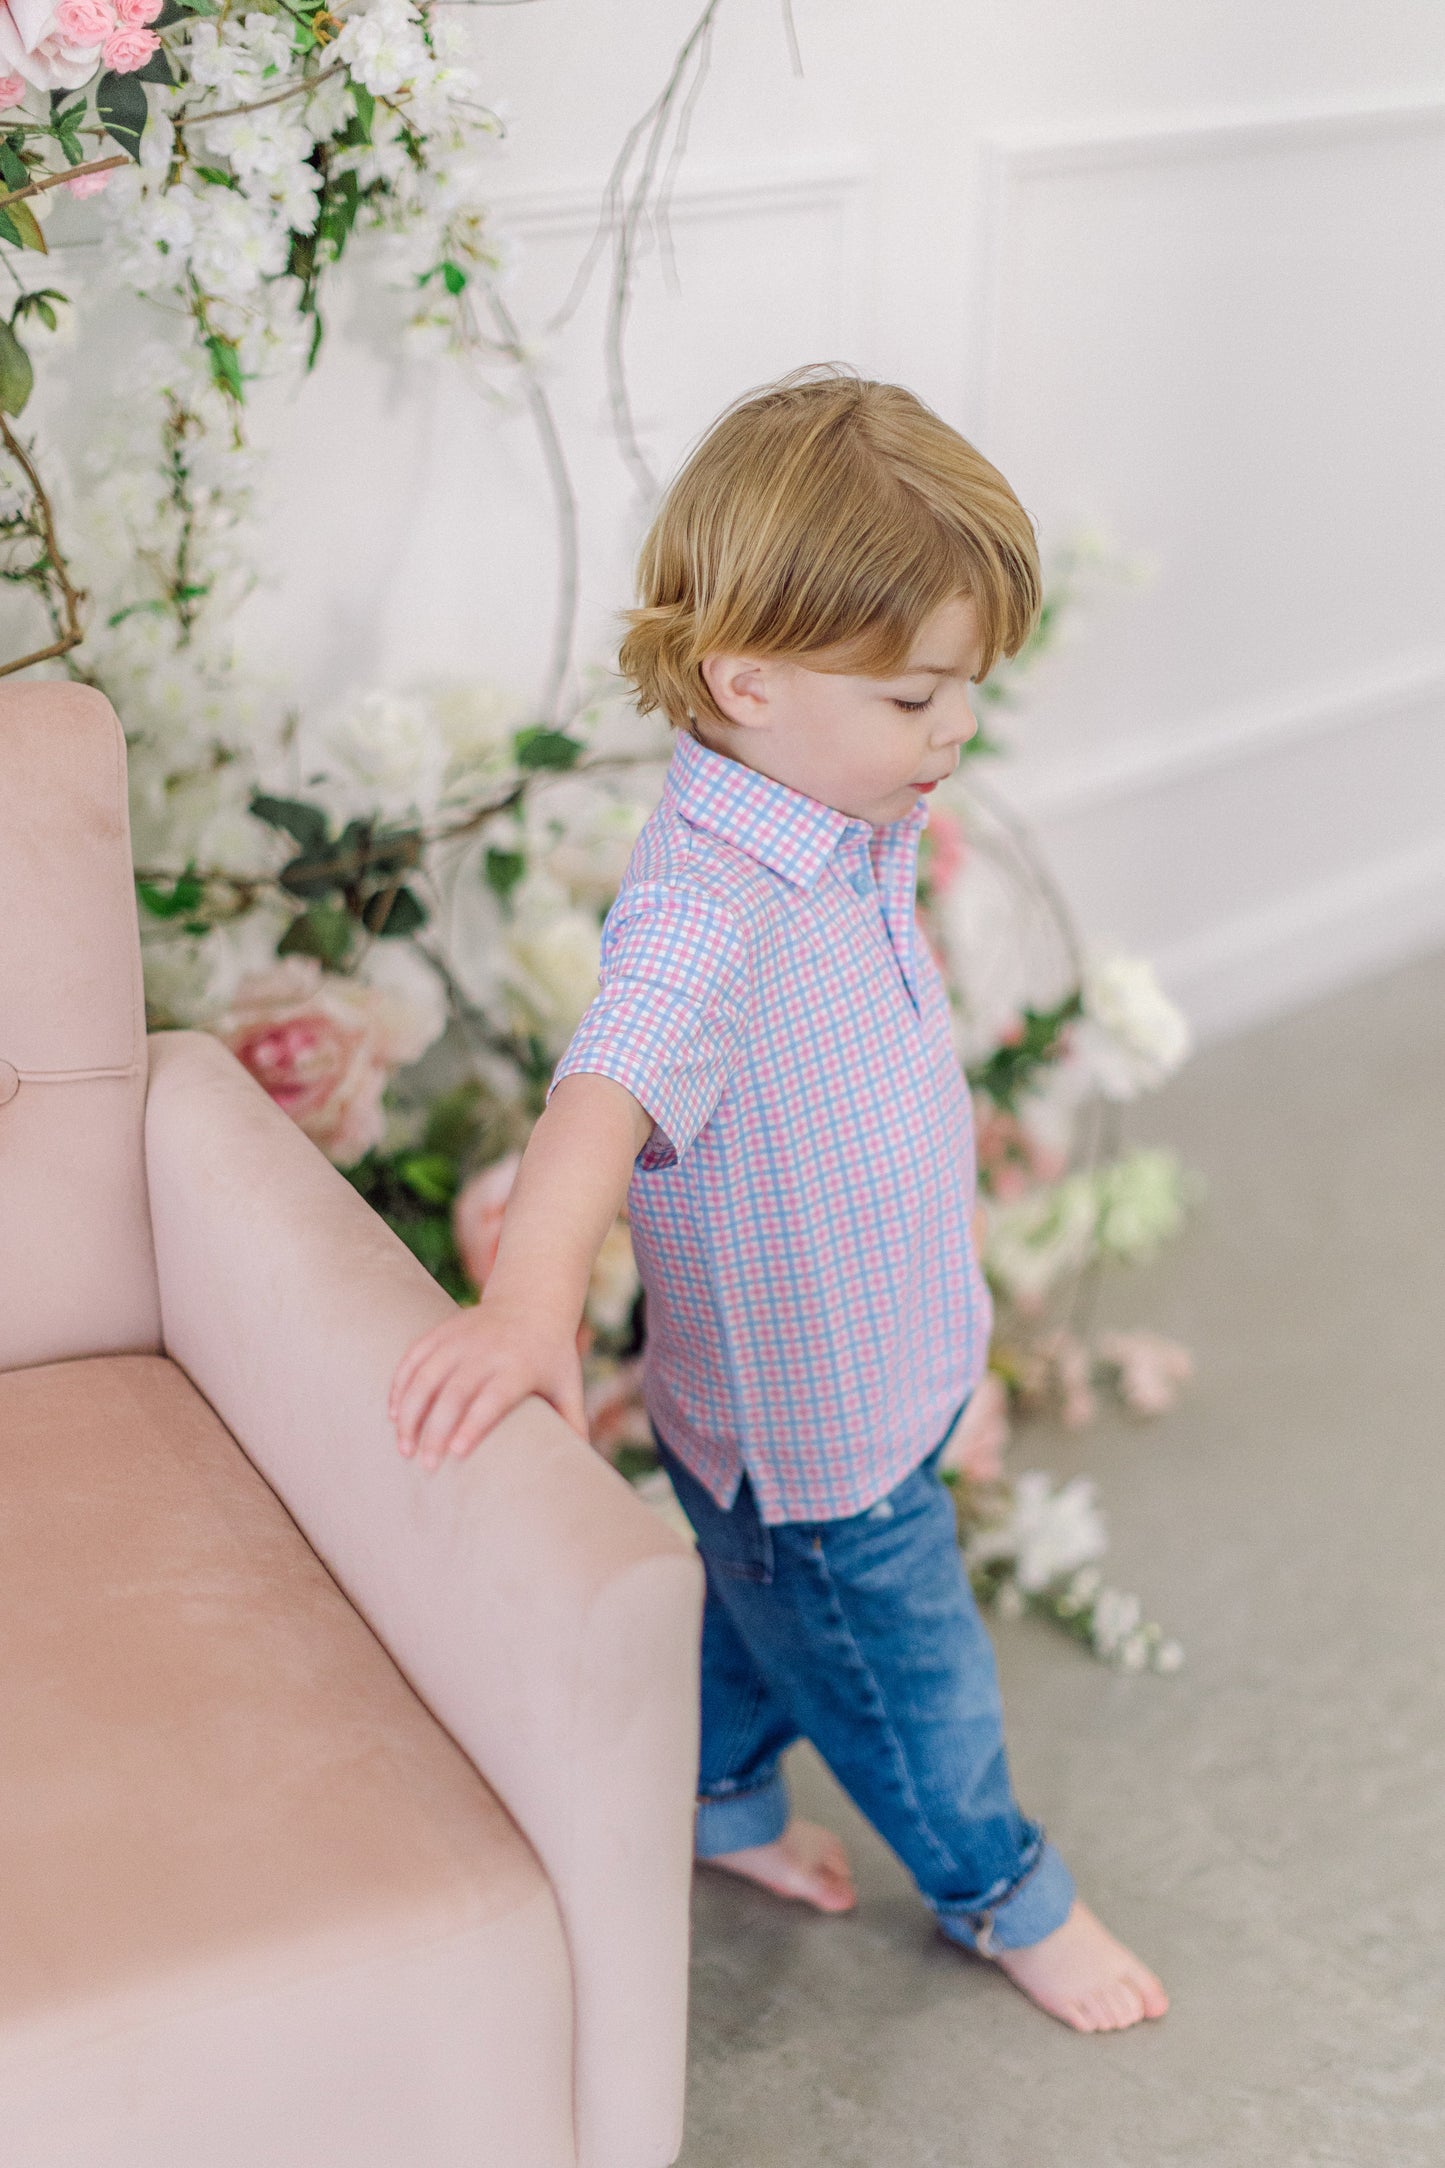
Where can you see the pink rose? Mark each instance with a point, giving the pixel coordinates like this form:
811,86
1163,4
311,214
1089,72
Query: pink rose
947,848
976,1443
325,1047
1150,1369
88,184
84,22
477,1216
12,90
133,12
35,47
128,48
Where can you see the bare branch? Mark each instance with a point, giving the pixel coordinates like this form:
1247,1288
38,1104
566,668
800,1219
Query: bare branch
58,180
67,619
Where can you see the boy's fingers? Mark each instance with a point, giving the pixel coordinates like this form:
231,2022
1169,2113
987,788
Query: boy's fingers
421,1396
447,1410
416,1355
488,1407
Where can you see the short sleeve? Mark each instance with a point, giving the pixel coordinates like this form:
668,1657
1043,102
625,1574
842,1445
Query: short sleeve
669,1019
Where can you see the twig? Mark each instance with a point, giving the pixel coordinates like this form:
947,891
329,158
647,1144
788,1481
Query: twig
58,180
277,97
564,497
68,626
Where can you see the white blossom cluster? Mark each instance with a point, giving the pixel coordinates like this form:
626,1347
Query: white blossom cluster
212,213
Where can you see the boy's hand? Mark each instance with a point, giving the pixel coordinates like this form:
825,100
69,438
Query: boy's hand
460,1379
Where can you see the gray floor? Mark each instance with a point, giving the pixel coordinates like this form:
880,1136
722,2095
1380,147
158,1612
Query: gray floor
1269,1827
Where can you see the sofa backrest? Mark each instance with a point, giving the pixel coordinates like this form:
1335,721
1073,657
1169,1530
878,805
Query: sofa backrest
77,1273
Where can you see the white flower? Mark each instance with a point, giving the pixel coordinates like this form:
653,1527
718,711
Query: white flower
378,755
258,143
1048,1533
1168,1657
612,1289
1035,1241
383,48
551,963
1141,1202
1131,1035
399,969
1116,1616
237,244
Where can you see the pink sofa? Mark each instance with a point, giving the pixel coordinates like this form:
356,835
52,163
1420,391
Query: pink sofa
345,1811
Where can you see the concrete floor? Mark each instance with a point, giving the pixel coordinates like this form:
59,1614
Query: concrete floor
1268,1828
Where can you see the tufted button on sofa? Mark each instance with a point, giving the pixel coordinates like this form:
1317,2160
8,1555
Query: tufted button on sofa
345,1810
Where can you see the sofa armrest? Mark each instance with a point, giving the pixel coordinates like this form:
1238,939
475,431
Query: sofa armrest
543,1614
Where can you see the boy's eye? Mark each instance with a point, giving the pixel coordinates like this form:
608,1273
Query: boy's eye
914,707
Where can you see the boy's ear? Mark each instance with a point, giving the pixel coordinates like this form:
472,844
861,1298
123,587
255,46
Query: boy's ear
739,685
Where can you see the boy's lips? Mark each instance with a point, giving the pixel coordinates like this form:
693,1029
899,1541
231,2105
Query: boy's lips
927,786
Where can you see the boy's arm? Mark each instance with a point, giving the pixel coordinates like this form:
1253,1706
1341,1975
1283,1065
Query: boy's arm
457,1381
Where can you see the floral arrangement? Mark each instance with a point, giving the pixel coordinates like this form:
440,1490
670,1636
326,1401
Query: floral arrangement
391,909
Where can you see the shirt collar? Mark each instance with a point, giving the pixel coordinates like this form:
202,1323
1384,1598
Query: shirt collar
783,828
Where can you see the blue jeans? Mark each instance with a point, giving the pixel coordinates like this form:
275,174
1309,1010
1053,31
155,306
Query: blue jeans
862,1635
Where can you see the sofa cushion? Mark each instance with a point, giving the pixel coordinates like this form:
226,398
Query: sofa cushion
256,1908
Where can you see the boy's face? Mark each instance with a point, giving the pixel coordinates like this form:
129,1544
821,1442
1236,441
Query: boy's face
870,747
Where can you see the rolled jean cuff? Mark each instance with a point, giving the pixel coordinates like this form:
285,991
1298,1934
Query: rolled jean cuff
1039,1902
738,1820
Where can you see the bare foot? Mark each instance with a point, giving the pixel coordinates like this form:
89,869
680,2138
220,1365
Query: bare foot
1080,1974
806,1862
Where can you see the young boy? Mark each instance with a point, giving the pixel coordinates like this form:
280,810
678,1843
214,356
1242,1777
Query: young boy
768,1076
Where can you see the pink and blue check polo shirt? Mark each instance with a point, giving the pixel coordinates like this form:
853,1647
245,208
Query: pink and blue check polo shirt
800,1215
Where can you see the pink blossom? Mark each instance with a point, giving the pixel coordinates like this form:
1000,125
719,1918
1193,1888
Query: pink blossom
85,22
1150,1369
477,1216
89,184
947,848
128,48
12,90
134,12
615,1413
976,1445
325,1047
1058,1372
1010,1158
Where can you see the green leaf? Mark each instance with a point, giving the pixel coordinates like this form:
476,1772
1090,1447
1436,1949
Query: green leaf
156,70
504,870
323,932
305,824
454,278
393,913
24,227
539,747
120,101
177,901
216,177
17,377
14,169
432,1176
365,105
226,367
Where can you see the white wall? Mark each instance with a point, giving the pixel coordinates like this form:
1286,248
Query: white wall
1180,272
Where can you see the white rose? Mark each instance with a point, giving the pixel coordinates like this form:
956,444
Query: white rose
1131,1036
552,960
1048,1534
379,755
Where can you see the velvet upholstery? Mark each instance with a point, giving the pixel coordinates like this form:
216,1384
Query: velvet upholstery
347,1809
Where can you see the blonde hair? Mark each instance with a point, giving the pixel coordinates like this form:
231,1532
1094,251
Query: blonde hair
822,520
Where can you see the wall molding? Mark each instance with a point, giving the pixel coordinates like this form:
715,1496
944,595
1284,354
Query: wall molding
572,210
1059,791
1014,156
1309,944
